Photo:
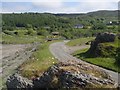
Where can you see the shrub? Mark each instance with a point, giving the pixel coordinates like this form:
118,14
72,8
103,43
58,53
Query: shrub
30,32
99,26
8,32
118,57
42,32
16,33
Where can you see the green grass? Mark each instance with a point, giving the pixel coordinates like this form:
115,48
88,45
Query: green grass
79,41
108,63
114,44
41,60
23,39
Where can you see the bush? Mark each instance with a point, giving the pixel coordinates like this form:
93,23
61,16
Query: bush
42,32
118,57
30,32
16,33
99,26
8,32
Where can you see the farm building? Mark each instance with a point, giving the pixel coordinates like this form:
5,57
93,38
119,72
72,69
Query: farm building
55,33
78,26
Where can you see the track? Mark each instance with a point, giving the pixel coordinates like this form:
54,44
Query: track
61,52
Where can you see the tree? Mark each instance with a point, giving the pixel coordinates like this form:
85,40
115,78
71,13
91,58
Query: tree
30,32
42,32
28,26
99,26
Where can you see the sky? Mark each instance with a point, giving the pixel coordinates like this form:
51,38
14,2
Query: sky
57,6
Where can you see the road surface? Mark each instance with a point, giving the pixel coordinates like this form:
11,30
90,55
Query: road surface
61,52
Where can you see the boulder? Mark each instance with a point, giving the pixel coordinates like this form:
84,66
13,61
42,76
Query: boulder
105,37
17,81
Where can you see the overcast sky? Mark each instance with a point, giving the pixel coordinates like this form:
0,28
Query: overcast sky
58,6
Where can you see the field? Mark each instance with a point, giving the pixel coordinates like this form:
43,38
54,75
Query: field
23,39
79,41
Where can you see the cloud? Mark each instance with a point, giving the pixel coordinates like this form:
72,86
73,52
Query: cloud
58,0
93,6
59,6
49,4
99,0
15,7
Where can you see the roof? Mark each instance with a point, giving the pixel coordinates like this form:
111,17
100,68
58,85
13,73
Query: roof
55,32
78,25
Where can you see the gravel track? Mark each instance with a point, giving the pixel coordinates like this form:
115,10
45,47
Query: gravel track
61,52
13,56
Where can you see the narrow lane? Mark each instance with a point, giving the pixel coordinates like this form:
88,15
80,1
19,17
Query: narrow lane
60,51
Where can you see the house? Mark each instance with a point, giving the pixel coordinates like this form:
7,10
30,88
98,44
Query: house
55,33
113,23
78,26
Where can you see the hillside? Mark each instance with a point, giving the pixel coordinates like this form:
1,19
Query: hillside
70,26
48,19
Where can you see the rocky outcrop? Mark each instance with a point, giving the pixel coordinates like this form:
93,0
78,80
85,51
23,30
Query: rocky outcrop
98,48
17,81
105,37
70,75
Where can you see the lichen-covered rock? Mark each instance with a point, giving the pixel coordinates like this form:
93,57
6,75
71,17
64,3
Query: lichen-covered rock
17,81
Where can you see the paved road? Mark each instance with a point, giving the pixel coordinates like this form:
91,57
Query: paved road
61,52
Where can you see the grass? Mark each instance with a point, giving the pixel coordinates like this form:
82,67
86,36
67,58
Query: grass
41,60
79,41
108,63
114,44
23,39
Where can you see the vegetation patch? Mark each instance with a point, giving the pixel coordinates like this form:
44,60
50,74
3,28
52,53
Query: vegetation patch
22,39
106,62
41,60
80,41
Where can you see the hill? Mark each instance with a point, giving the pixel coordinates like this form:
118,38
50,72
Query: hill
48,19
88,24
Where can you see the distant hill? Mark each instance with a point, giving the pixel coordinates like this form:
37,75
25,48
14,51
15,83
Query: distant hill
40,20
101,13
104,13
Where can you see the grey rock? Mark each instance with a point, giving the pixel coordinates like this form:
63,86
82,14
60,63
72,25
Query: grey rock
66,79
17,81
